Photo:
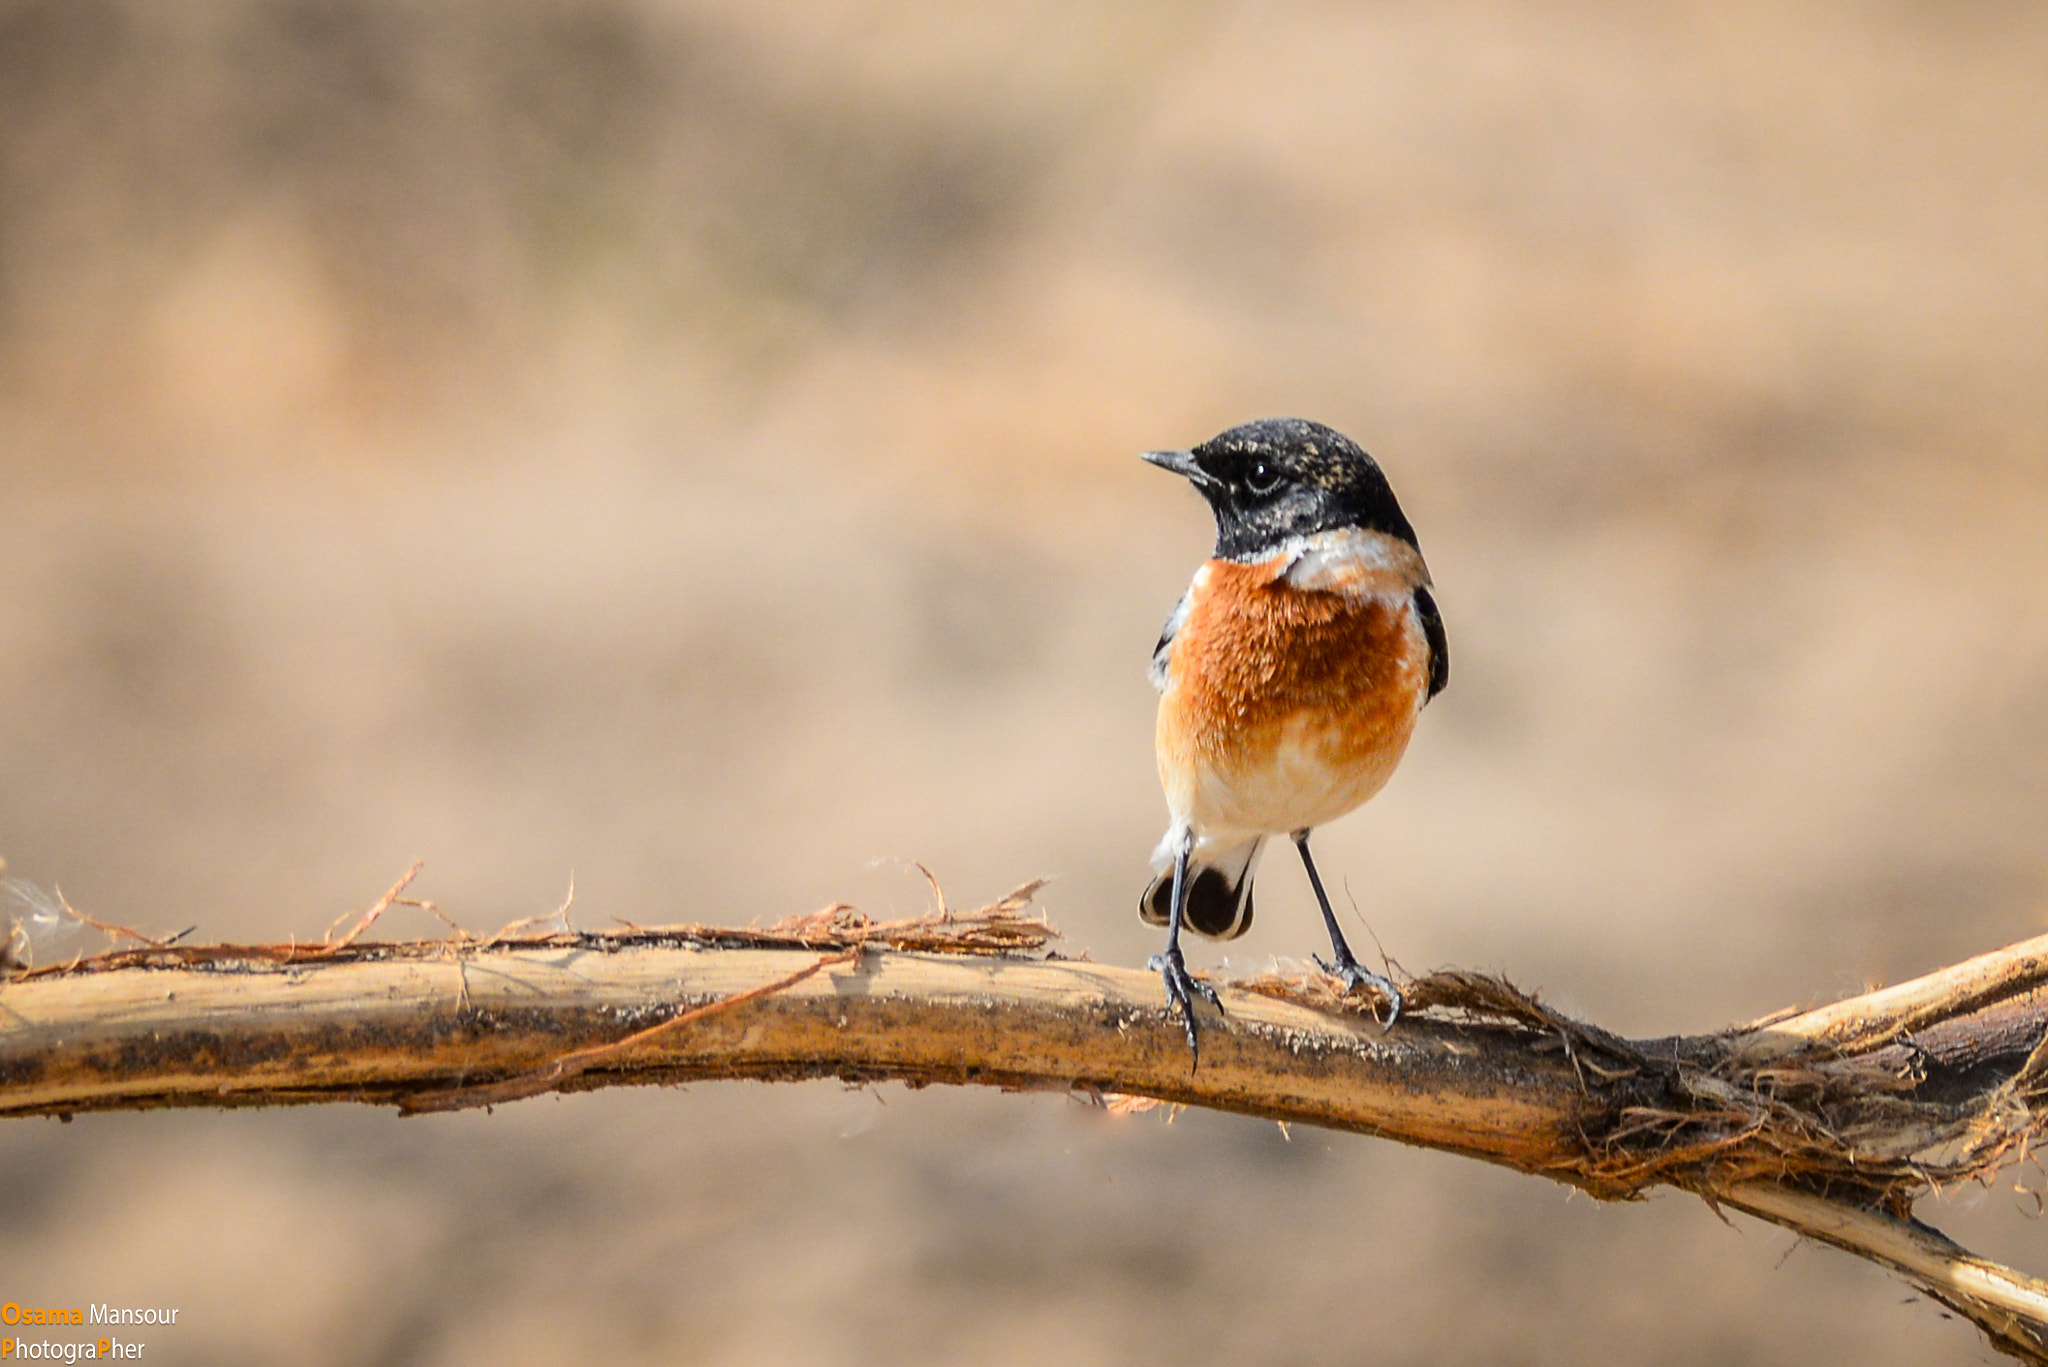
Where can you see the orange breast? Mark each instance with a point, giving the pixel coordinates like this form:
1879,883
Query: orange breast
1284,706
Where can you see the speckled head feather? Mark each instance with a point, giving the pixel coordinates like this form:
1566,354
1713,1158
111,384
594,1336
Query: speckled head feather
1279,478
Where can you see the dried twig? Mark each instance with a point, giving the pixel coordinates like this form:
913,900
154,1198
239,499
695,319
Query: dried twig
390,899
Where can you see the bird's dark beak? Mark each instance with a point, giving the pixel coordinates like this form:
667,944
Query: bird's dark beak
1181,463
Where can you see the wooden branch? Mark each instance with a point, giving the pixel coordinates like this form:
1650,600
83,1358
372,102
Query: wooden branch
1891,1012
2010,1308
1830,1122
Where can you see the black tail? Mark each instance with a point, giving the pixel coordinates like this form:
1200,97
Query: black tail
1219,893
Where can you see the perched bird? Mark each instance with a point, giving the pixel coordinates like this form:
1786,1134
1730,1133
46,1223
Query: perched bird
1290,675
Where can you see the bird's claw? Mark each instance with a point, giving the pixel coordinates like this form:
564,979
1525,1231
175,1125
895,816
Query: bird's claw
1355,975
1181,989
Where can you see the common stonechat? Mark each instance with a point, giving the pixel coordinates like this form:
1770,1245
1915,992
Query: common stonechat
1290,675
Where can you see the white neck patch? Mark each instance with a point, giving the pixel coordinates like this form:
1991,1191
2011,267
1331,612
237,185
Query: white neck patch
1352,560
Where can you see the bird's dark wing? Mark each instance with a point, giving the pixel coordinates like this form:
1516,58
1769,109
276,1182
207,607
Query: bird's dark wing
1164,650
1439,644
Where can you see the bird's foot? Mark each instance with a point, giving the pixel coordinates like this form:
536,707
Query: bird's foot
1355,975
1181,988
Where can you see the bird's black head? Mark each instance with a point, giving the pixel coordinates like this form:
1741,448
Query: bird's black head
1278,478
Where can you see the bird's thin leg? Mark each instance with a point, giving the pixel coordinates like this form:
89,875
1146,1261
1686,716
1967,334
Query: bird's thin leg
1345,964
1182,986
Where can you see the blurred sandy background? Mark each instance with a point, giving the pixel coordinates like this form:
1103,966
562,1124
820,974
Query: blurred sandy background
693,445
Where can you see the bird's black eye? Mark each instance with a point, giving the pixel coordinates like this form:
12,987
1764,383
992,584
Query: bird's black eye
1262,478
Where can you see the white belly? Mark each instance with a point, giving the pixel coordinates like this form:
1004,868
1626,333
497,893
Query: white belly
1303,787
